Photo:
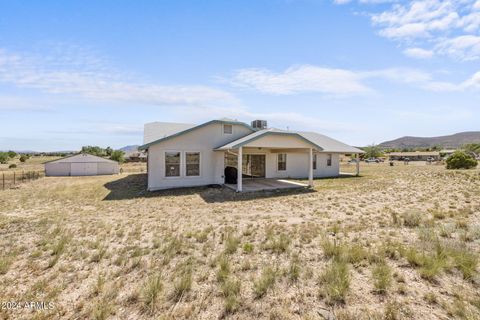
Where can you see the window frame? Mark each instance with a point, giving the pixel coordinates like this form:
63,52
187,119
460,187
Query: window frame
199,164
329,159
278,162
165,164
314,161
223,128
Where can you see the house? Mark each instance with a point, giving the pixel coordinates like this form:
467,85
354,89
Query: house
414,155
210,152
81,165
135,156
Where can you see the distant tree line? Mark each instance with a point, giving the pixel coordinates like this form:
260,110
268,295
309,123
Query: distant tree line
116,155
6,156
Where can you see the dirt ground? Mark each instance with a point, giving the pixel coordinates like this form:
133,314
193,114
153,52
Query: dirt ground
398,242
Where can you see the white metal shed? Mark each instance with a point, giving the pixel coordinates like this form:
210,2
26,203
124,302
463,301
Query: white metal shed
81,165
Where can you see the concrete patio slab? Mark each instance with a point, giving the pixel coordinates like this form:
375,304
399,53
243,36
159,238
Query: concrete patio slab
252,185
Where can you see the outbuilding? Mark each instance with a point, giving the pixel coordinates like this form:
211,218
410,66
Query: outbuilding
81,165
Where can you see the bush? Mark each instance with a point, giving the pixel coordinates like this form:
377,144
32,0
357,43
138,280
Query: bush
12,154
382,276
4,157
335,280
12,166
117,155
461,160
265,282
23,158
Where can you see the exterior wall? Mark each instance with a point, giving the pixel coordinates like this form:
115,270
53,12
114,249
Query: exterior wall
297,164
202,140
65,168
107,168
57,169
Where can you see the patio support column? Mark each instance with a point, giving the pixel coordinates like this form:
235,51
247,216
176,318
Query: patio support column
358,165
310,167
239,169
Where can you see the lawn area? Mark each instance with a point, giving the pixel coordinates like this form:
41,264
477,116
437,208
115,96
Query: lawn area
398,242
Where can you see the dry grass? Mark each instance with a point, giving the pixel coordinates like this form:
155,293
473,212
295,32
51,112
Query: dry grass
399,242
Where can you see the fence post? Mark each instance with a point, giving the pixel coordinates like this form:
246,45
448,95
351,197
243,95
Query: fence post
13,177
3,178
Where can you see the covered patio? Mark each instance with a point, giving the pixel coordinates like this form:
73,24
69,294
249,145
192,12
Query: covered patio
259,161
252,185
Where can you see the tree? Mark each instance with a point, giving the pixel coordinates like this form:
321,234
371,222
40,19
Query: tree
108,151
94,150
472,148
372,151
117,155
461,160
4,157
12,154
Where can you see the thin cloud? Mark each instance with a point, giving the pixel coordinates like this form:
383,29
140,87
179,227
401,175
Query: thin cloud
301,79
431,27
418,53
90,79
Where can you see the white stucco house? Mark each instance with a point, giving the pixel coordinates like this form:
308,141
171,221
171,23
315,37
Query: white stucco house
185,155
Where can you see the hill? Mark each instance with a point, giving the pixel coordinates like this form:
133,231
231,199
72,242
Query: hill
452,141
130,148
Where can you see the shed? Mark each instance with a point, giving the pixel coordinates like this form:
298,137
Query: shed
81,165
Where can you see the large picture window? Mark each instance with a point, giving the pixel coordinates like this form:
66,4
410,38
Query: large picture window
192,164
282,162
314,162
329,160
172,164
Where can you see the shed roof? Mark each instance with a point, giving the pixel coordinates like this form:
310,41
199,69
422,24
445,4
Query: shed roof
82,158
319,141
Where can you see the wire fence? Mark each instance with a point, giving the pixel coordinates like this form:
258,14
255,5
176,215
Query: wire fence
10,179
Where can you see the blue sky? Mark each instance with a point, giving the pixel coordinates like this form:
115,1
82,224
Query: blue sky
76,73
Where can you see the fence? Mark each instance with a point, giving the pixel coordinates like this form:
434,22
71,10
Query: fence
10,179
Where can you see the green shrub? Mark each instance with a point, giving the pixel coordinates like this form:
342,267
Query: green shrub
231,291
12,166
23,158
335,281
412,219
150,292
382,276
117,155
294,268
248,248
224,269
265,282
231,244
461,160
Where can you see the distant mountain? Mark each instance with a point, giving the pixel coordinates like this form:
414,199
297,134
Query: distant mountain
133,147
452,141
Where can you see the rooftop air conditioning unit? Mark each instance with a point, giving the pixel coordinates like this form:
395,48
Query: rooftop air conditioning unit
259,124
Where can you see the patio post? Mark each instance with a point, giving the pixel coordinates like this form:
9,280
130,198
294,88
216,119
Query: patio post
310,167
239,169
358,165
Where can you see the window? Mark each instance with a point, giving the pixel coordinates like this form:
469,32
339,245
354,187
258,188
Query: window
192,163
172,164
329,160
282,162
314,162
227,129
